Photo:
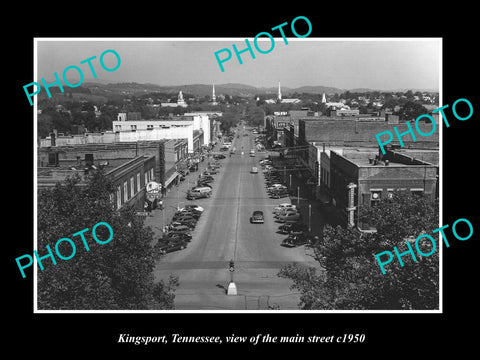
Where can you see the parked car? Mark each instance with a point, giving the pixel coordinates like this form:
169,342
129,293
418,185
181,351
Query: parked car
285,212
289,217
292,228
167,246
177,237
192,207
254,170
284,206
297,240
194,195
257,217
191,212
276,187
206,179
189,223
279,195
179,229
202,184
186,215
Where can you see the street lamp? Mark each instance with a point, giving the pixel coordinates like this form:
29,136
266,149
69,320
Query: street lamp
290,181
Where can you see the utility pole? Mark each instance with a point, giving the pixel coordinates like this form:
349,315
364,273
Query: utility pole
309,217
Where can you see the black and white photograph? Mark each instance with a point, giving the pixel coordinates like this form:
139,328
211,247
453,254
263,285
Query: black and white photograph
284,181
252,189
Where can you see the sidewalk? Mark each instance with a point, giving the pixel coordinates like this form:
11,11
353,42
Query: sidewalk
174,199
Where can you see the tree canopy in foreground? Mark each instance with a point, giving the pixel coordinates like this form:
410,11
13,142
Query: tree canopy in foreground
352,279
114,276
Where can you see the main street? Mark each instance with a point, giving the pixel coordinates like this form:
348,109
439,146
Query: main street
224,233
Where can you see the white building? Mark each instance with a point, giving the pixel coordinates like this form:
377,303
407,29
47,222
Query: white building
180,102
166,127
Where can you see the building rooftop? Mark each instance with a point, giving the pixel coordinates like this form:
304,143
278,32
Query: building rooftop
367,157
70,167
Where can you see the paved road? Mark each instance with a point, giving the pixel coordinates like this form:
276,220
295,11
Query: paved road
224,233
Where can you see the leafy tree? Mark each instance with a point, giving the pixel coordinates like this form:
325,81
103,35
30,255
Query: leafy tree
412,110
116,275
351,277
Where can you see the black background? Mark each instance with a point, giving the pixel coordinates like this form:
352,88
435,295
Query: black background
386,334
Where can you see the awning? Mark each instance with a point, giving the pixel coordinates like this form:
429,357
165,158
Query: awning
171,178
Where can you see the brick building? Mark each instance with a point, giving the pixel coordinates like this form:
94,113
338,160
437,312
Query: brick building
167,155
128,175
361,178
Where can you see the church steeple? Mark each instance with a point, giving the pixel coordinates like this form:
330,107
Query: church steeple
214,98
279,92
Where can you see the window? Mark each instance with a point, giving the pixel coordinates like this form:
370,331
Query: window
119,196
149,127
151,174
133,127
125,192
132,187
146,178
390,193
118,127
417,192
138,182
376,195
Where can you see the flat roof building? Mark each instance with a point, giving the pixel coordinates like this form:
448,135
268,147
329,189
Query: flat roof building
361,178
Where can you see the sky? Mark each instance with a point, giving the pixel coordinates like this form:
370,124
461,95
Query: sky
382,63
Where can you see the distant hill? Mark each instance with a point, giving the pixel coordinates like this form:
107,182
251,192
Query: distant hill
206,89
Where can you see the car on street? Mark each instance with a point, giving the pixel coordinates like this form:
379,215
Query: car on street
167,246
285,211
187,214
191,212
279,195
194,195
206,178
282,206
189,223
293,228
178,237
257,217
289,217
297,240
276,186
192,206
254,170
